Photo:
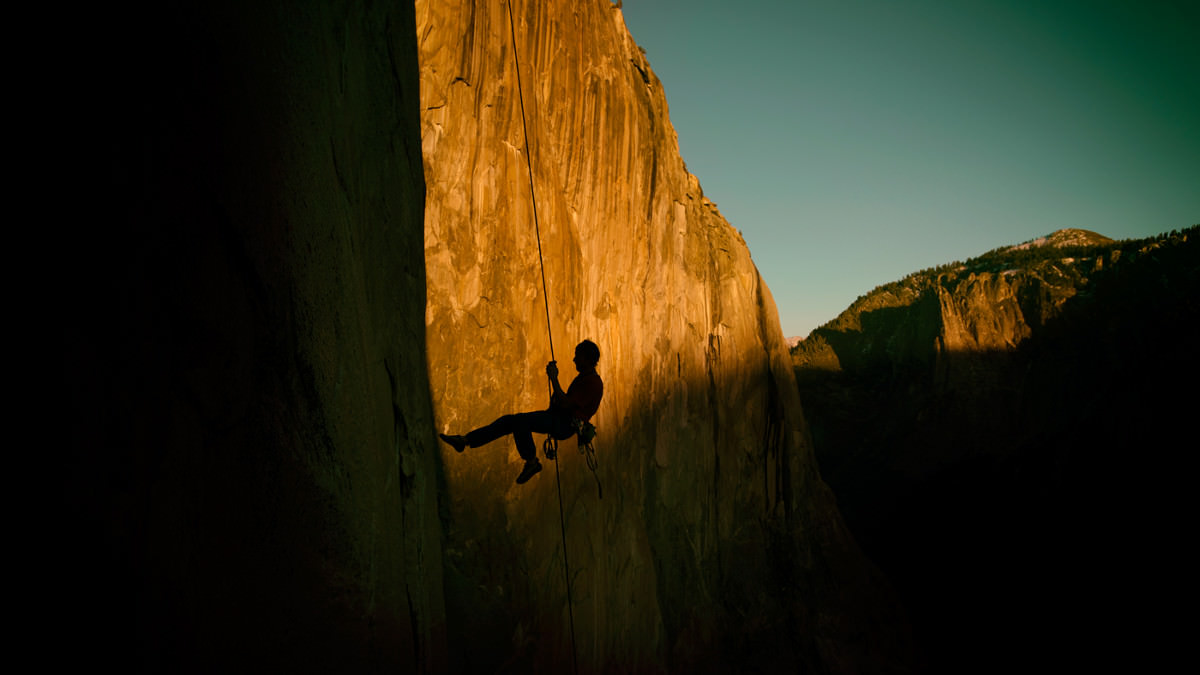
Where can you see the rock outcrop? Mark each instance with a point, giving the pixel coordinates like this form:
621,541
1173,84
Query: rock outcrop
716,544
249,482
990,303
989,426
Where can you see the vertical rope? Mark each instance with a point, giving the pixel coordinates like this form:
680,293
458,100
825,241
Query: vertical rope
562,523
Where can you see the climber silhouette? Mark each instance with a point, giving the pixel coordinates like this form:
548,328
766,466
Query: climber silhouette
569,411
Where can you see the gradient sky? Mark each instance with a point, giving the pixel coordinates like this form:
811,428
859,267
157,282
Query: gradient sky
855,141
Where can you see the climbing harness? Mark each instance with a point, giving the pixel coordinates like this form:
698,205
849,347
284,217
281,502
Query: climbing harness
585,433
550,447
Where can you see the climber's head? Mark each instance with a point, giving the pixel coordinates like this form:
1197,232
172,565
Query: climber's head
587,355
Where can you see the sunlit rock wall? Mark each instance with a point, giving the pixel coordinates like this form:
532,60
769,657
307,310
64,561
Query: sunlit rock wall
715,542
250,478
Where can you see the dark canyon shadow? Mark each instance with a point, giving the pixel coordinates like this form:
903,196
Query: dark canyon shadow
752,571
1028,504
239,348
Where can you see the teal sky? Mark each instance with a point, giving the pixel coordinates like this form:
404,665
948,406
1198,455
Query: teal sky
855,141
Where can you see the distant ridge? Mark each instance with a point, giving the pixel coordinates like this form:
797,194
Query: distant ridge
1065,237
1070,247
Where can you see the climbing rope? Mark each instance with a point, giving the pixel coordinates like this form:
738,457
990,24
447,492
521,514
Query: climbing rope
550,447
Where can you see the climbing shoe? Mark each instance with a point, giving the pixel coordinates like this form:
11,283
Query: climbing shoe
459,443
531,468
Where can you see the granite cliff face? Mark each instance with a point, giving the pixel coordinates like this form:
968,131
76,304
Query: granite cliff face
989,425
249,479
716,542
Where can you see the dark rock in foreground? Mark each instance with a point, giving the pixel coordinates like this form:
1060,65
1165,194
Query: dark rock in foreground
250,477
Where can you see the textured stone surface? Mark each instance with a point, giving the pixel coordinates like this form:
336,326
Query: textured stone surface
250,477
715,543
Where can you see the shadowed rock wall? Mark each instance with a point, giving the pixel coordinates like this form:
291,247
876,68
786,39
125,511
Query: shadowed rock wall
250,482
715,544
1004,438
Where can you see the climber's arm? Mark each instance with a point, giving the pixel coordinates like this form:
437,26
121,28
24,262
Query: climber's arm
555,388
